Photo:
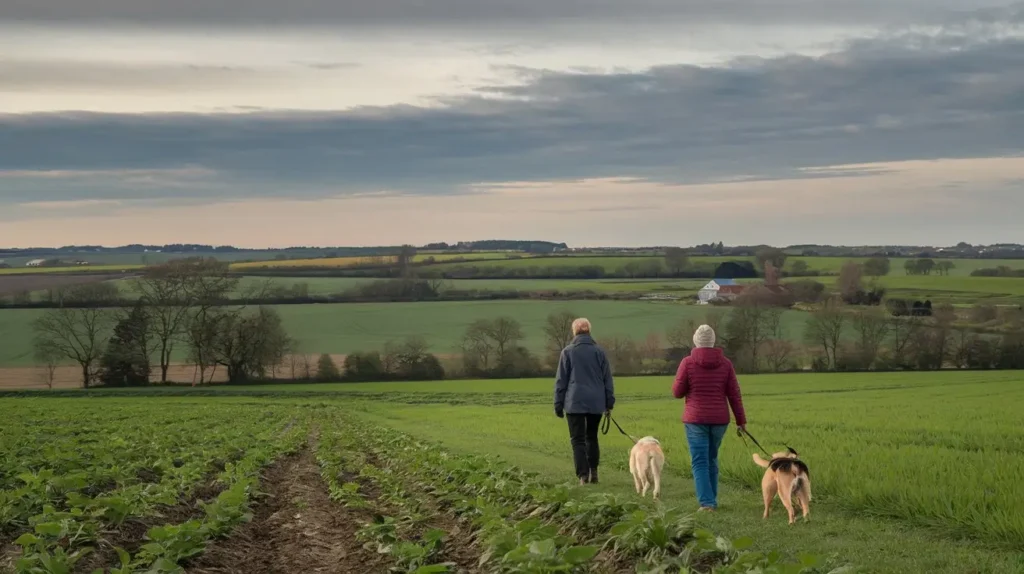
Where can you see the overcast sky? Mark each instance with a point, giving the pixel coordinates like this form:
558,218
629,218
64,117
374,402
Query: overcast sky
366,122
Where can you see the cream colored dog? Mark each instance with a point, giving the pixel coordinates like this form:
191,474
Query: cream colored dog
645,463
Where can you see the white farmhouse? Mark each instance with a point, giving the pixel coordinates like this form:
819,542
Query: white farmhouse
718,288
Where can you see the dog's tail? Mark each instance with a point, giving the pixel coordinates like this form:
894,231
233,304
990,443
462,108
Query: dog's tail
760,461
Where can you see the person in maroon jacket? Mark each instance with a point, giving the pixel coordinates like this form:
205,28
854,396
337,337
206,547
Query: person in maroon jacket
708,381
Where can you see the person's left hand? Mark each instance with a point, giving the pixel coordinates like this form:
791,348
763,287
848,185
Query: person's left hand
559,413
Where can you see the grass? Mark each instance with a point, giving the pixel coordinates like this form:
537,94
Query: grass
74,269
825,264
350,261
331,285
343,328
958,290
888,455
913,472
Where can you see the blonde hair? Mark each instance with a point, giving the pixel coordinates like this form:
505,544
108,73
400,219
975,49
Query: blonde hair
580,325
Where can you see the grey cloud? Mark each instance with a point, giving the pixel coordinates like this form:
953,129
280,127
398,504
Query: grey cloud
756,119
496,12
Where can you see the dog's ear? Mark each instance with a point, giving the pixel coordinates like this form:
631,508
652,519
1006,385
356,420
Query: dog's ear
791,451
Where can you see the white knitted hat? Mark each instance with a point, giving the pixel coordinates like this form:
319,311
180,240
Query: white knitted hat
704,337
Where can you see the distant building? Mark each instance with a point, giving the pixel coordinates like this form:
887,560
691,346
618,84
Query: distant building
718,290
35,263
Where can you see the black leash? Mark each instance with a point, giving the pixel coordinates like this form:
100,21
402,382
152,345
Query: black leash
741,432
606,426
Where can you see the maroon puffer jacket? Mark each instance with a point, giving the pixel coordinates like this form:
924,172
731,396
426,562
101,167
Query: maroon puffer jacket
708,381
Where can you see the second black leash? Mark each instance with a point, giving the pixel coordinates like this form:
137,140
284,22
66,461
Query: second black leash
606,426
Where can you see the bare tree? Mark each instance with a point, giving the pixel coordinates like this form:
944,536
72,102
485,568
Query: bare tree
162,290
478,347
48,359
76,331
306,366
623,354
963,342
207,285
247,345
825,329
715,318
557,334
404,260
389,359
651,348
748,327
872,328
778,355
904,332
506,332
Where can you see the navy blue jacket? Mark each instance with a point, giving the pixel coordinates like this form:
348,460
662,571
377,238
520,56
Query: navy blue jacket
584,383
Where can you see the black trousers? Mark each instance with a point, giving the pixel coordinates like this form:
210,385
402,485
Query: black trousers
583,430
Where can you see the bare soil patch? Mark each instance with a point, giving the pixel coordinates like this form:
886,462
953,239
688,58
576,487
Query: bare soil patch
296,528
11,284
70,376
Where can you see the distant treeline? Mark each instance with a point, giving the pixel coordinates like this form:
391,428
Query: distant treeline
380,291
1001,271
961,250
836,338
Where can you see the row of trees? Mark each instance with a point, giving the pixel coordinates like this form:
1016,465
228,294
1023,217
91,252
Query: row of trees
925,266
179,304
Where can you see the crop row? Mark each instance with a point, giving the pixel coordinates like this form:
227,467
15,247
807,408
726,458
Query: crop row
122,471
519,523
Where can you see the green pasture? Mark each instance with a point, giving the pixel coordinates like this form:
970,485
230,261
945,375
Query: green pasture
911,472
963,267
343,328
959,288
333,285
75,269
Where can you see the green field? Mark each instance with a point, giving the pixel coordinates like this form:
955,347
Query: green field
334,285
914,472
958,290
77,269
964,267
343,328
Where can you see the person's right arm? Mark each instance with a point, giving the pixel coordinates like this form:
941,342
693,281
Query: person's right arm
732,391
561,382
682,384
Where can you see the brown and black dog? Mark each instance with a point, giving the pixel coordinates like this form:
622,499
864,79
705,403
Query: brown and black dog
786,475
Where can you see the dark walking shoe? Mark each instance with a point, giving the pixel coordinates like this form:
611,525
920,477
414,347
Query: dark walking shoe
593,476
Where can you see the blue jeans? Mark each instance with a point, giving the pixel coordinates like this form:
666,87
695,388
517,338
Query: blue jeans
704,441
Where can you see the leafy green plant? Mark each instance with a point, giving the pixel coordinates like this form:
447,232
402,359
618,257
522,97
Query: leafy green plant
413,556
652,535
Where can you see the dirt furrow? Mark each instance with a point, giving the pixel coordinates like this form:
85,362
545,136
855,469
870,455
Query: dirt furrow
295,528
